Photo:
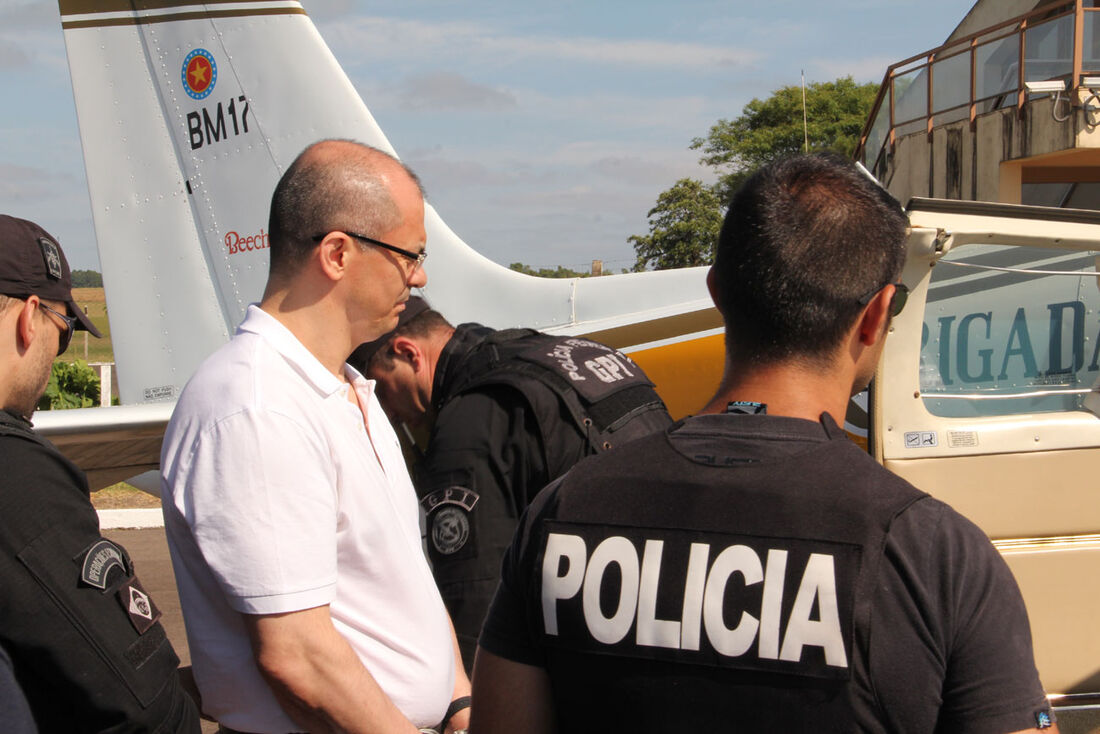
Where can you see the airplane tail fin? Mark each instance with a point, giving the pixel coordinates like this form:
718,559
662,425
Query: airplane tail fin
188,115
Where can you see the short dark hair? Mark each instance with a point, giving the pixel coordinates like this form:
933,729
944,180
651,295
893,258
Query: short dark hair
419,326
804,239
318,194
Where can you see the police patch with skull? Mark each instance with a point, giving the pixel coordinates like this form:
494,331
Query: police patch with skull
448,518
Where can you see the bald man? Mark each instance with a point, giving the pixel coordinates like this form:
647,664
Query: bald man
290,515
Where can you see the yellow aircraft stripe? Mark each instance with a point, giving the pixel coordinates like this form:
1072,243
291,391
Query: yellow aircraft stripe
685,373
654,330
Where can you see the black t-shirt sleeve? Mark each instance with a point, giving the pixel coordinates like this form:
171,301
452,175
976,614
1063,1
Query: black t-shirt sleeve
512,629
949,610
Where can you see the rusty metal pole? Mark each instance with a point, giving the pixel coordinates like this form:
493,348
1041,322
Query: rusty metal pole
1078,47
1021,89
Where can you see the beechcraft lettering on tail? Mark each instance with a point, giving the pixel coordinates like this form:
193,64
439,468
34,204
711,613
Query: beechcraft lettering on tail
237,243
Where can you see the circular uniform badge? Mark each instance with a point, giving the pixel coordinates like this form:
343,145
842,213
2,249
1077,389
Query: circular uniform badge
450,530
199,73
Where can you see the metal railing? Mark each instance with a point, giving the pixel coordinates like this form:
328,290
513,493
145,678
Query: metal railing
982,72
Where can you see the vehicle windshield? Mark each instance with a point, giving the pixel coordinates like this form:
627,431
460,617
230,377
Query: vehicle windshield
1011,330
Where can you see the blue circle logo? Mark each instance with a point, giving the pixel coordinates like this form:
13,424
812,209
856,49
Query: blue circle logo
199,73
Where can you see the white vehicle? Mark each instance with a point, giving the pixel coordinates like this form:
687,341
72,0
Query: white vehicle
985,397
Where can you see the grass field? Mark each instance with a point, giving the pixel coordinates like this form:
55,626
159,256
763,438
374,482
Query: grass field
87,347
122,496
84,345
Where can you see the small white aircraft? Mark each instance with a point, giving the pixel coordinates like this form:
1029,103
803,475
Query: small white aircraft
188,115
985,397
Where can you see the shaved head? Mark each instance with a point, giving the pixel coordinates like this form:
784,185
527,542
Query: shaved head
332,185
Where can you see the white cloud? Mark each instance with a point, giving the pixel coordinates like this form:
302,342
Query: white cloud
868,69
37,15
449,91
441,173
25,183
376,36
12,56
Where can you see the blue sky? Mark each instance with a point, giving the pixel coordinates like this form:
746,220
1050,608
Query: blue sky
543,131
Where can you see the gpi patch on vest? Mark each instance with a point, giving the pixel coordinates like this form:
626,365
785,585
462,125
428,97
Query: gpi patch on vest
779,605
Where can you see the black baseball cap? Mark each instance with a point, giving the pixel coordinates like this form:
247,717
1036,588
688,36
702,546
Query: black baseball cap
362,355
32,264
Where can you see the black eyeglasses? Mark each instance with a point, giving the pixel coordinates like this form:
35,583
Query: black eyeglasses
417,258
901,295
67,334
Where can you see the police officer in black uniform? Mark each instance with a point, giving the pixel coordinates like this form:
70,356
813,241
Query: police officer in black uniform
510,410
751,568
82,633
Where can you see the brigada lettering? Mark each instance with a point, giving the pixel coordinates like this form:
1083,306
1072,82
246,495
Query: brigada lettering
736,604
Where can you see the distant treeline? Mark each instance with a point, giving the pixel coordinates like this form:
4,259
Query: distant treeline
87,279
559,272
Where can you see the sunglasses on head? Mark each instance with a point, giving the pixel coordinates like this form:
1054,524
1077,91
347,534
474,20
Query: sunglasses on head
897,303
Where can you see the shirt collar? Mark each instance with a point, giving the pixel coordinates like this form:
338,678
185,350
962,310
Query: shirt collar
13,419
282,340
465,338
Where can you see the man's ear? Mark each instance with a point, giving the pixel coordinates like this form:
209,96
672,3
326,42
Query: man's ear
876,317
27,327
332,254
408,350
712,288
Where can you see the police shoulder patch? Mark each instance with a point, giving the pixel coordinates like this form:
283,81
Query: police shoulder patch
450,530
448,517
139,605
464,498
98,562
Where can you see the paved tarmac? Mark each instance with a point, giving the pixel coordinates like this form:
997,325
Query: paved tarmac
149,552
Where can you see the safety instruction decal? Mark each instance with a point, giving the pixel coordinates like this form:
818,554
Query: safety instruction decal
921,439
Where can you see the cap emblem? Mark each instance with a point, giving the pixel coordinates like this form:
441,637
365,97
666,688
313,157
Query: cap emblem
51,254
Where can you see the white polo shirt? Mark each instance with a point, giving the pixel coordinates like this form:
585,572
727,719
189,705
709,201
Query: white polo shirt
277,498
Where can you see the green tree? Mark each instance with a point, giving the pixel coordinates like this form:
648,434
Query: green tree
772,128
684,232
71,385
87,279
683,228
559,272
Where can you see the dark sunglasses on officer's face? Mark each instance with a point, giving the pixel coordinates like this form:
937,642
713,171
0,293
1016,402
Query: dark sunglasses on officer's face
897,303
66,333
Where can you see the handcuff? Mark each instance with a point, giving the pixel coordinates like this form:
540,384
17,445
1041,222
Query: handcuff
462,702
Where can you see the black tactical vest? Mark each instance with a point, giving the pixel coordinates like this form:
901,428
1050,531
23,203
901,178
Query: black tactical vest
609,398
687,577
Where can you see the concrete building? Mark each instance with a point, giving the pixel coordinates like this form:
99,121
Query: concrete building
1006,110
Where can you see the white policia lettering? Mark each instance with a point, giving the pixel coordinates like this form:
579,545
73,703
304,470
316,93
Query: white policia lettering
703,596
608,367
563,353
